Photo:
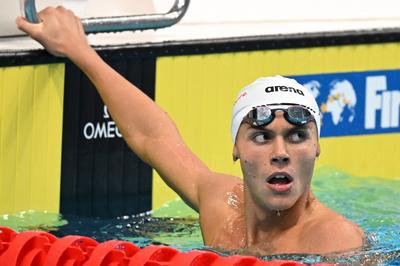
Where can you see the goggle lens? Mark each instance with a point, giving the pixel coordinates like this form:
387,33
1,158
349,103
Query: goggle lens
298,115
261,116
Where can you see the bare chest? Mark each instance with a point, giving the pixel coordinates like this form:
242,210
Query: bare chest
232,235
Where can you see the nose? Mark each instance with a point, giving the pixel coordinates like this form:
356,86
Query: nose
280,156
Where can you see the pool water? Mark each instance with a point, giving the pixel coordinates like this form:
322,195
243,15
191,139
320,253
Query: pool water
371,202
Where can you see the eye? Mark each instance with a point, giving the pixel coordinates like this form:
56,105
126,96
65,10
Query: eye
298,136
261,137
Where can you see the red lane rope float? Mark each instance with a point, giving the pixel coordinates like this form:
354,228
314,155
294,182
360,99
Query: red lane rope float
6,235
112,252
26,248
70,250
33,248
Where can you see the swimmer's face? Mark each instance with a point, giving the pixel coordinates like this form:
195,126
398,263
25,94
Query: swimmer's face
277,161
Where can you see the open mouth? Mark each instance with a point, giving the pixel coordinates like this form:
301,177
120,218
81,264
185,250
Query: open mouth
280,182
279,178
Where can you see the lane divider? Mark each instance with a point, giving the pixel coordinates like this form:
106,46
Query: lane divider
35,248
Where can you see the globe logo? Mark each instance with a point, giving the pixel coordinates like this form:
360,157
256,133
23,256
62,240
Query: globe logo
341,97
313,86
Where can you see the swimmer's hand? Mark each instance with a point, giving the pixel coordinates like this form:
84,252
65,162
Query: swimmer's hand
59,31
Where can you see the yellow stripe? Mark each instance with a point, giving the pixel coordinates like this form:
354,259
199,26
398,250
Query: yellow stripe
363,156
31,108
23,139
8,143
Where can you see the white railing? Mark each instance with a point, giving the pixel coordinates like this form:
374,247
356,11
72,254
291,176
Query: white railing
119,23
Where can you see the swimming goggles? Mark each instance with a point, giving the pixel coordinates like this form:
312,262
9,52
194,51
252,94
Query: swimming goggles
263,115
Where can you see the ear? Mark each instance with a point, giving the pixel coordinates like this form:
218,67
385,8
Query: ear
235,153
318,151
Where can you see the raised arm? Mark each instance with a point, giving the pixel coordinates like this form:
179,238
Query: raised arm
145,126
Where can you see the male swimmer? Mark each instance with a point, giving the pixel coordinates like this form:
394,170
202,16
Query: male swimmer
275,133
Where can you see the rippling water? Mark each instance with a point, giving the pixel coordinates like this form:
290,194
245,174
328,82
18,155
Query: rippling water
371,202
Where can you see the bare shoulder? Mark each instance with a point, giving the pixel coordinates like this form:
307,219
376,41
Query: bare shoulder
221,203
331,232
215,186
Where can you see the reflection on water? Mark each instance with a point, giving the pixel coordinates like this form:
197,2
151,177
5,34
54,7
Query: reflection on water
371,202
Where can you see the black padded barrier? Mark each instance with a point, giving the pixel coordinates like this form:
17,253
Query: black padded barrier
100,175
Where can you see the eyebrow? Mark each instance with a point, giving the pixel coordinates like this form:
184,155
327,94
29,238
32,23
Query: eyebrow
296,127
289,130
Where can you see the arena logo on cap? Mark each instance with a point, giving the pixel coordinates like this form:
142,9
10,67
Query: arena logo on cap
283,88
356,103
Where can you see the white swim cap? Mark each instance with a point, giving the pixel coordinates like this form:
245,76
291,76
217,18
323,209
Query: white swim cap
272,90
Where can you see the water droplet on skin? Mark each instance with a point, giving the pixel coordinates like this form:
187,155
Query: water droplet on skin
233,199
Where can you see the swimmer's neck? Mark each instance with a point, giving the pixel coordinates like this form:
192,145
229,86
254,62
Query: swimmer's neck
262,224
